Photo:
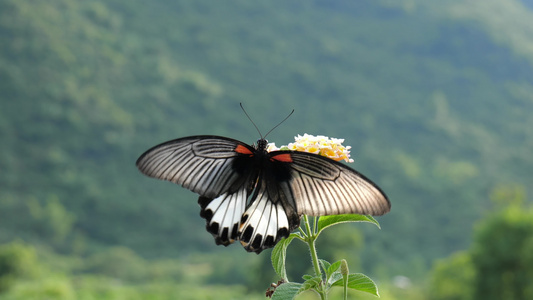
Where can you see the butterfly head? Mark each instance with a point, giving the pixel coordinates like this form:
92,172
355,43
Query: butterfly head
262,144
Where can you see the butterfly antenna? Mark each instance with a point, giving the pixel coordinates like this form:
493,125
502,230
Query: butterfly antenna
279,124
252,121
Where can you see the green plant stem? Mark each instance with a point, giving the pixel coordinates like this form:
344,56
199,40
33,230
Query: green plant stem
311,242
311,237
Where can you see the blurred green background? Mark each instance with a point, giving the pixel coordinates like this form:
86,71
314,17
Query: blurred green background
435,98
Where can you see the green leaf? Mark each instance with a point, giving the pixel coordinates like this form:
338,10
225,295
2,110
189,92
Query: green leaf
330,270
311,283
326,221
359,282
334,267
324,264
279,254
335,276
287,291
307,277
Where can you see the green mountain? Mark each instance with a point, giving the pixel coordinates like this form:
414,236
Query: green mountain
434,98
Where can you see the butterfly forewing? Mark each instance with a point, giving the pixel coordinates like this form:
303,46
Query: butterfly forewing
321,186
202,164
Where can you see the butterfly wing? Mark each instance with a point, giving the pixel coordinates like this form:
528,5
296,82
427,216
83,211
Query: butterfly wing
320,186
202,164
217,168
272,213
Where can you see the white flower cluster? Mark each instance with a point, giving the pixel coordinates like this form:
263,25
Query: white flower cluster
321,145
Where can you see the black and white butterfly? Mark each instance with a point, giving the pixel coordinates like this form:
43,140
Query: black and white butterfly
257,197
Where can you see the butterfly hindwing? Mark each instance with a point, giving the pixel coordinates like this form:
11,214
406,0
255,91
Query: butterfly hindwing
223,215
272,213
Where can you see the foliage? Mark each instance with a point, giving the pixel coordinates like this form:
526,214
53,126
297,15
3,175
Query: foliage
502,255
326,274
16,261
118,262
27,272
52,219
499,263
453,278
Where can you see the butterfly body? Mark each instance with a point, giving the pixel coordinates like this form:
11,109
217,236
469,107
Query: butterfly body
255,196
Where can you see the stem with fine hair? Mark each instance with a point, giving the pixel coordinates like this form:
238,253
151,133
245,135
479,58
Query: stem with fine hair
310,239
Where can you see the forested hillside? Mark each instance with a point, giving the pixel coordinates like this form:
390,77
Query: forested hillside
436,100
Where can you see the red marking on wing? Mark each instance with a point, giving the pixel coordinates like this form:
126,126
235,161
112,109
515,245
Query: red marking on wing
242,150
282,157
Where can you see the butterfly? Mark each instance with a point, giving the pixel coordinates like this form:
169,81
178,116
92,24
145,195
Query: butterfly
258,197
